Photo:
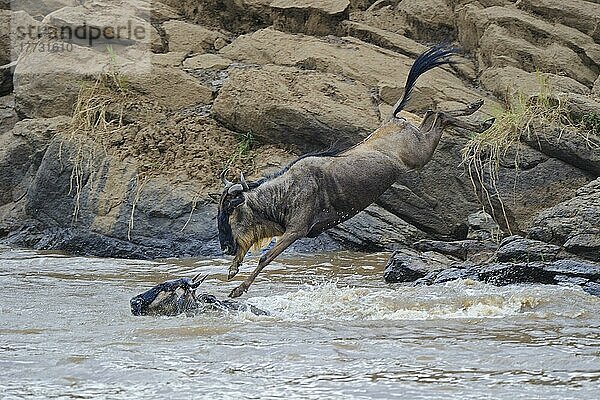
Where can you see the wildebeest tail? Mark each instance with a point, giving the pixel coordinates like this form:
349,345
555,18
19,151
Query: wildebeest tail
431,58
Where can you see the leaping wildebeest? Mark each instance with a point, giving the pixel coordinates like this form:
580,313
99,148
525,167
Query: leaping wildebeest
318,191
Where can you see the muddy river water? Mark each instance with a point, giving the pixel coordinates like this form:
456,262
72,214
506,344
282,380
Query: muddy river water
336,330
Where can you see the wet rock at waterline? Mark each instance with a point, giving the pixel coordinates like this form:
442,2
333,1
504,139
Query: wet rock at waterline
585,274
573,224
517,260
88,243
462,249
518,249
408,266
375,229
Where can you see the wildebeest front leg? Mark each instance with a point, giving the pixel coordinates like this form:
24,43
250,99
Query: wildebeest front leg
286,240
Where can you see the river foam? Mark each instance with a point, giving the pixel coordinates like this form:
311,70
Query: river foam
459,299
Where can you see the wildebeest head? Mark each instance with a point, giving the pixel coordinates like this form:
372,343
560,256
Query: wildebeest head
169,298
242,226
231,199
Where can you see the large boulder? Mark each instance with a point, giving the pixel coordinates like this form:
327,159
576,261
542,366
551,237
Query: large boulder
41,7
383,38
99,23
408,266
239,16
12,41
580,14
574,147
382,15
508,82
307,109
375,229
313,17
526,191
8,116
185,37
500,47
430,20
506,36
47,84
168,87
21,152
573,224
518,249
373,66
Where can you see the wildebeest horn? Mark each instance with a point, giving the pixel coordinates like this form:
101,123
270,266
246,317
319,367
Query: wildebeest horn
224,180
196,283
243,182
237,188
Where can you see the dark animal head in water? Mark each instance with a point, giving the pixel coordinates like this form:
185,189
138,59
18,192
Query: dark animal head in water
168,298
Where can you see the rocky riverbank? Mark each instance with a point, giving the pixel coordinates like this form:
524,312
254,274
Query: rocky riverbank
115,150
569,254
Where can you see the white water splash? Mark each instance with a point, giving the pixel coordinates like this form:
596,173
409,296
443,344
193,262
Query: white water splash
458,299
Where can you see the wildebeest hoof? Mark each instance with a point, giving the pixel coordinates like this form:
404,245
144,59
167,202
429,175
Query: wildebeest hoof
232,272
476,105
238,291
487,124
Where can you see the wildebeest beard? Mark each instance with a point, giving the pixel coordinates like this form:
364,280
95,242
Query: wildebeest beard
228,243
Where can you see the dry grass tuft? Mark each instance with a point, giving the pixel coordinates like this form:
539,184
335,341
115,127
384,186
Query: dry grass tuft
520,119
98,112
111,119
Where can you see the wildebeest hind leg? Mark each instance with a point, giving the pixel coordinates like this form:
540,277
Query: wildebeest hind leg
286,240
449,120
470,109
436,119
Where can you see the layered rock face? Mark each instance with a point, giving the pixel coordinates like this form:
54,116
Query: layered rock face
113,148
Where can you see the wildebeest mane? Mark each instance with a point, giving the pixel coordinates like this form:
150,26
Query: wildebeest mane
332,151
